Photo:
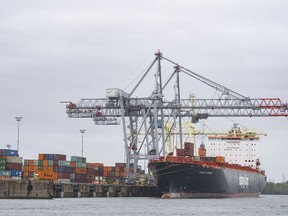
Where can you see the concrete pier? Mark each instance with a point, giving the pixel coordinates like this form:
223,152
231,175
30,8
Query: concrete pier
25,189
103,190
40,189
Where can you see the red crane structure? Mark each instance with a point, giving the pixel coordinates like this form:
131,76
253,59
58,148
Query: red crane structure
144,119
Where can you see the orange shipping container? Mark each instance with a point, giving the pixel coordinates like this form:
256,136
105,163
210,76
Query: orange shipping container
202,152
48,168
98,164
40,157
72,163
220,159
25,174
45,163
31,162
81,170
120,164
30,168
45,175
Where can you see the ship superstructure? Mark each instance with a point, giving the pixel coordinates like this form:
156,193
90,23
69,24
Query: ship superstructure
238,146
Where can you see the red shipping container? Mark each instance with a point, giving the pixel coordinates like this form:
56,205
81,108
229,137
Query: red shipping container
188,145
120,164
180,152
14,166
64,175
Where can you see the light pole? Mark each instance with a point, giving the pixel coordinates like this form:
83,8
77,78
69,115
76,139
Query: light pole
82,131
18,119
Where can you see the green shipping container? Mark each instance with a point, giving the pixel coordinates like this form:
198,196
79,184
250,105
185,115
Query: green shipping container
40,163
64,163
213,159
5,173
50,163
26,162
2,162
80,165
78,159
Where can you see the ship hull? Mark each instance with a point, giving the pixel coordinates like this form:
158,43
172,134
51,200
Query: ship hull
188,180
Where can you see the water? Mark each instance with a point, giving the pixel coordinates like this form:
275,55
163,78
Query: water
264,205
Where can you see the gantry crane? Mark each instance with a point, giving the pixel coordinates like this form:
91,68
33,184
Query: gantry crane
153,113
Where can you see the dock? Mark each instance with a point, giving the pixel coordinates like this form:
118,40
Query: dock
41,189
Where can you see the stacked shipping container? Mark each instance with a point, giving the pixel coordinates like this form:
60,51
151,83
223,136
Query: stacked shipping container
187,151
30,168
10,164
56,168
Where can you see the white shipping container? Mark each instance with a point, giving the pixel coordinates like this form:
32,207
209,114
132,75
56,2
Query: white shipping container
114,93
98,178
64,181
12,159
72,175
16,178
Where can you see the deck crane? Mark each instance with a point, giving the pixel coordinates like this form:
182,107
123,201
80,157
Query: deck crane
151,114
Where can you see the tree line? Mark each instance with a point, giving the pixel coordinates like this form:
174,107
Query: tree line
276,188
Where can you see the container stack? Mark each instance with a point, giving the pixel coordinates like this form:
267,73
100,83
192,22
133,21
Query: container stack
79,169
48,166
111,173
10,164
94,171
189,149
55,167
63,170
30,168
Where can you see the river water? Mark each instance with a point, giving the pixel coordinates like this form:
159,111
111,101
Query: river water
264,205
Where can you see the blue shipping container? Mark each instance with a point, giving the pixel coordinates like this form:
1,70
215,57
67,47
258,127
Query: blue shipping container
9,152
50,156
63,169
17,173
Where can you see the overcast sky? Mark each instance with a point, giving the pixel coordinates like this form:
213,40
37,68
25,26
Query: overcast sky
52,51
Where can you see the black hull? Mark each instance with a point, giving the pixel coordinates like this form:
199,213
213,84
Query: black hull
185,180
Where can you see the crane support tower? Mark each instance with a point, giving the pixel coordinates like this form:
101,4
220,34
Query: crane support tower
144,119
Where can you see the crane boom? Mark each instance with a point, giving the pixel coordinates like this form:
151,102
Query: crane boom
99,108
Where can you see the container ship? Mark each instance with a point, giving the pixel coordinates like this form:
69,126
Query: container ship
228,166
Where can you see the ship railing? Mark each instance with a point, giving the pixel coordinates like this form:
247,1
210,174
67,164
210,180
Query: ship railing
190,160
